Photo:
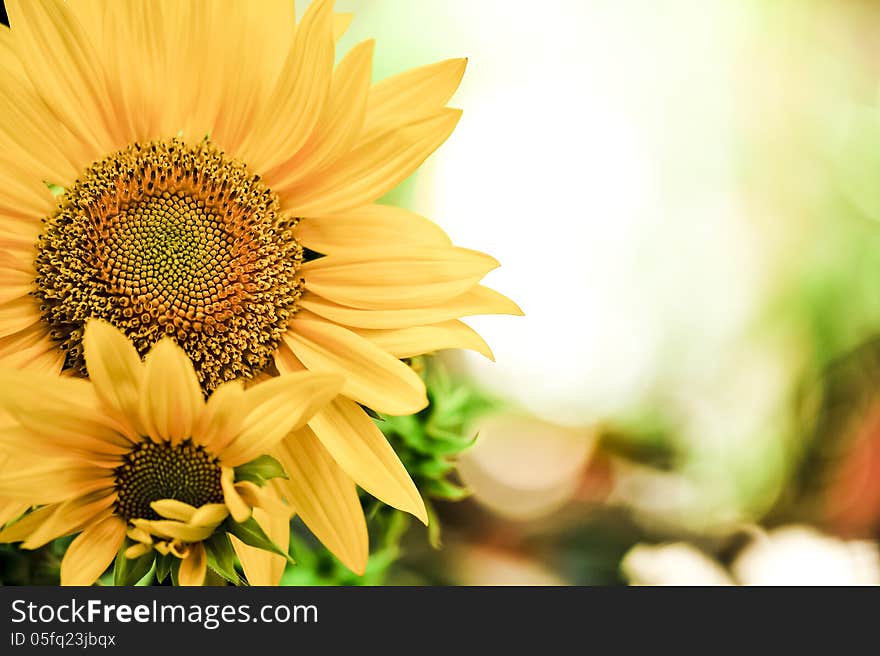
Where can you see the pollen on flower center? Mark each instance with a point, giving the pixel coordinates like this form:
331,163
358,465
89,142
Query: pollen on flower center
154,471
167,238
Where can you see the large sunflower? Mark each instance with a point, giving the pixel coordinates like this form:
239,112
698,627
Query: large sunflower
138,452
215,178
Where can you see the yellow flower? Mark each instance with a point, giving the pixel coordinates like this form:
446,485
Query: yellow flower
220,178
137,451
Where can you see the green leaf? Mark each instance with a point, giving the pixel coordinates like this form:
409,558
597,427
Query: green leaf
163,566
54,189
221,557
253,535
259,470
175,568
434,527
446,490
128,572
372,413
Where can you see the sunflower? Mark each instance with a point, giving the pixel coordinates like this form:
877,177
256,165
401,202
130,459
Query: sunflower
136,452
204,171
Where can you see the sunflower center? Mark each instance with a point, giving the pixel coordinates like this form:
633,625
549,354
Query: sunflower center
165,238
151,472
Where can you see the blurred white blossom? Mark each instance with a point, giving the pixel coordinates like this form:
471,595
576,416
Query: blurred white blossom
791,555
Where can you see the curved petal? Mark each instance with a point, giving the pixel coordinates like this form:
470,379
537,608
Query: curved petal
295,105
286,361
371,170
174,509
360,448
371,226
12,509
262,567
116,372
325,498
412,94
54,483
391,278
60,62
171,399
478,300
172,530
70,517
92,552
19,314
253,51
194,567
340,124
210,514
417,340
277,407
239,510
341,22
31,349
221,417
20,530
372,377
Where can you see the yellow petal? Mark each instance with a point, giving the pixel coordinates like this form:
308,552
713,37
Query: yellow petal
171,399
239,510
371,170
341,22
286,361
360,448
262,567
412,94
173,509
277,407
31,350
16,277
18,314
139,535
253,44
210,514
44,357
12,509
137,550
9,64
60,62
409,342
92,552
116,372
478,300
221,418
172,530
391,278
340,124
31,139
369,227
70,517
22,529
59,414
52,483
295,105
56,433
194,566
372,377
325,498
251,493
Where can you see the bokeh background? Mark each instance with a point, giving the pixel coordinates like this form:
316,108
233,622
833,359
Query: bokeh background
685,198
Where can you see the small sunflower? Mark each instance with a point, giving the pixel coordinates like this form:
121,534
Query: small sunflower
217,178
137,452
